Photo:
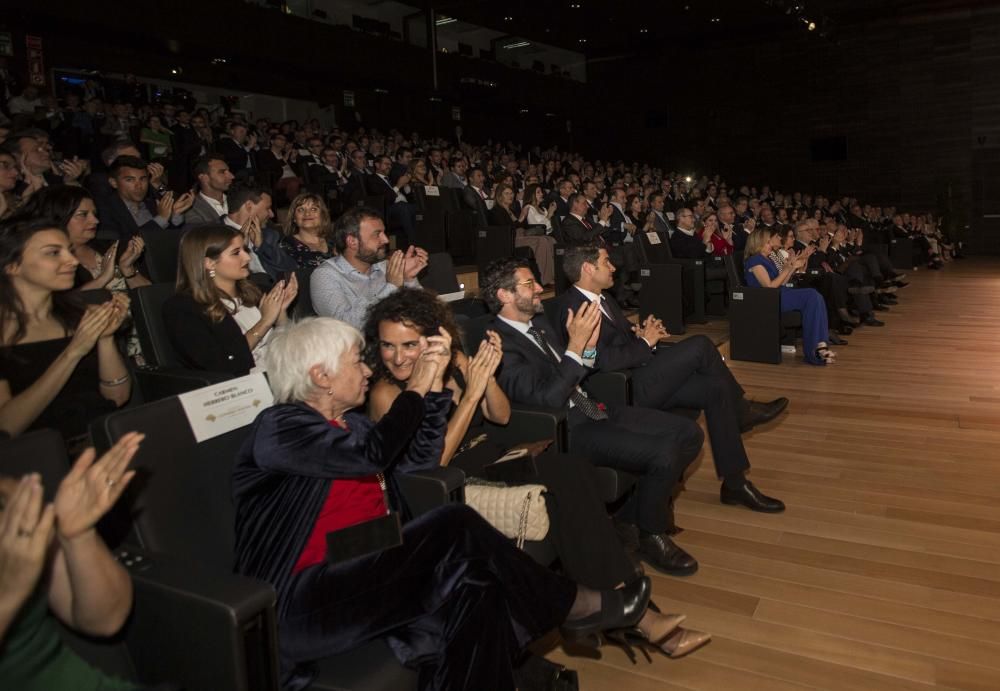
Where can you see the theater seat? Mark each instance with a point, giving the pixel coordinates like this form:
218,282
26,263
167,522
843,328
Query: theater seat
182,509
163,374
756,322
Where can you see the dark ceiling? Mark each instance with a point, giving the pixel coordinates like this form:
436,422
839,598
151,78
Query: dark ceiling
610,27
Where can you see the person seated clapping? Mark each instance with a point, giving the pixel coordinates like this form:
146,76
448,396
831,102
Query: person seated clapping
760,271
55,566
59,364
218,320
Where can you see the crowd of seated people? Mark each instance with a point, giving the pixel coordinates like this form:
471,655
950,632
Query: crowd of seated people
71,246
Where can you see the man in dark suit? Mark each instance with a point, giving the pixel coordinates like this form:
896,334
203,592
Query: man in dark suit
250,213
400,214
474,196
239,151
687,242
130,209
355,188
661,224
689,374
538,369
578,229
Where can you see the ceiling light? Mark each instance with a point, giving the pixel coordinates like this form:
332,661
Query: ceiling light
445,20
583,40
715,20
811,26
517,44
508,19
643,31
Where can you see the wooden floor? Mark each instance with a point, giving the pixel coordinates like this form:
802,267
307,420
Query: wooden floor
884,572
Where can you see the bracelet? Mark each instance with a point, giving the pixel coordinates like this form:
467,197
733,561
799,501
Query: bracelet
116,382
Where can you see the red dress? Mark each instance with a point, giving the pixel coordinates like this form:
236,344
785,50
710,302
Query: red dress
721,248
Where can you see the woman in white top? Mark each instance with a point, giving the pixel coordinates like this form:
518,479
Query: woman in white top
532,212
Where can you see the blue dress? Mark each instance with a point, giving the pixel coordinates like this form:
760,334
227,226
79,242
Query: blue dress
815,328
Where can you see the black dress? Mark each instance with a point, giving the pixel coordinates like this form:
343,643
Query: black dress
582,534
77,403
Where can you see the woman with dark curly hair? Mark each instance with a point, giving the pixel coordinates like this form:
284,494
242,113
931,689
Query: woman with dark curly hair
584,538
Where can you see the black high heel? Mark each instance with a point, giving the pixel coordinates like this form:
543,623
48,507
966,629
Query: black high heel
620,609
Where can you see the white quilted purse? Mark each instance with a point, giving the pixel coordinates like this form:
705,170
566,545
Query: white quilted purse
518,512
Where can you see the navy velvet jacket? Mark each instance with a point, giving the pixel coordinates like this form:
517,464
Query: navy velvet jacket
283,472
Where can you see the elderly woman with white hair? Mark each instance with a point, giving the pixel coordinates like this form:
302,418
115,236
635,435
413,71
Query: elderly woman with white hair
455,600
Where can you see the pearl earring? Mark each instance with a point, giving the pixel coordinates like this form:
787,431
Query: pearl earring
211,273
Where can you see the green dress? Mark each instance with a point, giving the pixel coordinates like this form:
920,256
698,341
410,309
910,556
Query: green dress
33,656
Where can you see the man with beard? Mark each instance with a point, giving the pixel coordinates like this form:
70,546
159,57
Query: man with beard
345,286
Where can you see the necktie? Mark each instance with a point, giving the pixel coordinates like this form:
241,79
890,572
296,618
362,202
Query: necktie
586,406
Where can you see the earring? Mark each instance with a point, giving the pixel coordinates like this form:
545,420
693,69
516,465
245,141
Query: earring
330,392
211,273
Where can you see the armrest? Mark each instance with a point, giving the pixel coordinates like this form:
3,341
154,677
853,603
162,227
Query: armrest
200,627
531,423
614,388
424,490
162,382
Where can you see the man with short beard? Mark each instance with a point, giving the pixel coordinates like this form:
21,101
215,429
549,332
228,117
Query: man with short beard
344,286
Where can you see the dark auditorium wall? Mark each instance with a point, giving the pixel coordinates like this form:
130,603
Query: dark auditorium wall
916,96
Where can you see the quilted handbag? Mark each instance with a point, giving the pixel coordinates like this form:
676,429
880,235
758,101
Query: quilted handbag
518,512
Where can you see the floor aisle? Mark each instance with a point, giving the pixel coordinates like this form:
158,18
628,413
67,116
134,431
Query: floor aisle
884,572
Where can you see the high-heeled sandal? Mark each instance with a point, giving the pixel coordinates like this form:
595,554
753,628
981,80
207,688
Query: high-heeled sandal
826,355
631,638
620,609
684,642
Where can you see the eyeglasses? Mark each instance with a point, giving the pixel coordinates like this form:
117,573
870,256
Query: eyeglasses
530,282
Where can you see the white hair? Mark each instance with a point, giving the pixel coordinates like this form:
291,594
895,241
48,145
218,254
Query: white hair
294,349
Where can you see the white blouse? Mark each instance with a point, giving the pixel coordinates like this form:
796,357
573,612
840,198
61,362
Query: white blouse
537,218
247,317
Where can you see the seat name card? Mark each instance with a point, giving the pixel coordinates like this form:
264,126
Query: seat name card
653,237
219,408
432,191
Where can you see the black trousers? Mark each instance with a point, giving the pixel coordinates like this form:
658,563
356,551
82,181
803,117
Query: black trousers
456,600
692,374
651,444
580,530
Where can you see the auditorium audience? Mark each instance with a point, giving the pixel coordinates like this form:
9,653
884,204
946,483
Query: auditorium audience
588,548
59,364
219,320
454,598
539,369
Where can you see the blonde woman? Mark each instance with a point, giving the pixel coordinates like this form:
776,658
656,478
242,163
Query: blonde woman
307,231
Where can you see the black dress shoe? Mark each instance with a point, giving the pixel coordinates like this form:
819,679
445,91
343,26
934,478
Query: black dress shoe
845,330
620,609
751,497
836,340
870,320
758,412
660,552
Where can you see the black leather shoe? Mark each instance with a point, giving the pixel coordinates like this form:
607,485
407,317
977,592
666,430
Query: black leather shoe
620,609
845,330
870,320
660,552
751,497
758,412
836,340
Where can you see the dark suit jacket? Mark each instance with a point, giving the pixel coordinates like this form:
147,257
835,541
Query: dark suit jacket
274,259
576,233
236,157
684,246
377,187
117,219
203,344
739,238
530,377
355,189
618,347
472,200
